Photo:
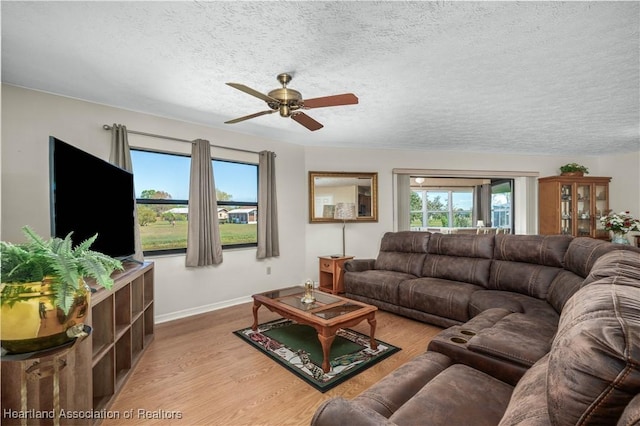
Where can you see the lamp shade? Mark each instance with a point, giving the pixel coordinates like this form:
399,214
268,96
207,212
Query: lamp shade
345,211
480,224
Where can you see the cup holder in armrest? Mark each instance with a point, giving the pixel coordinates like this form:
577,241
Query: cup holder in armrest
458,340
468,332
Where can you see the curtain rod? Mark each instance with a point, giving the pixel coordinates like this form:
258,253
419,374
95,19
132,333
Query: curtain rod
107,127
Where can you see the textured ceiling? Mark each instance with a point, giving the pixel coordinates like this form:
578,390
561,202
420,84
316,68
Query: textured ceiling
510,77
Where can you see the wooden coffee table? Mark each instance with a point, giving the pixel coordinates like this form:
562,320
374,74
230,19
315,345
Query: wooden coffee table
326,315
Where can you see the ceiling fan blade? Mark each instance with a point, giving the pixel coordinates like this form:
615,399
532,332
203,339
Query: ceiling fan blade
327,101
306,121
252,92
247,117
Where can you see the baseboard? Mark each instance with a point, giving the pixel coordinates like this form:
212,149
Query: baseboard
200,309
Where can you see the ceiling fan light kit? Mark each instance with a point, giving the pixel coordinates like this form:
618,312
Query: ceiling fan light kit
289,102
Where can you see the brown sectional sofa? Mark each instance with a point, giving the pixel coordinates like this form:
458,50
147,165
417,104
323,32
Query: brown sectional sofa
438,278
539,330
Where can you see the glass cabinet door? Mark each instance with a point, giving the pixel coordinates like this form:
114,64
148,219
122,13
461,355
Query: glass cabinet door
601,205
566,211
583,210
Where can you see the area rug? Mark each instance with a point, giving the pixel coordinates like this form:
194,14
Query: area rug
297,348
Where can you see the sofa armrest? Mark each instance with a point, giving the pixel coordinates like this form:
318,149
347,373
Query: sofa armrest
359,265
375,405
339,411
520,348
394,390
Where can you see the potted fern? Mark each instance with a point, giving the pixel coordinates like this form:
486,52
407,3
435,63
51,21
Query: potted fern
43,296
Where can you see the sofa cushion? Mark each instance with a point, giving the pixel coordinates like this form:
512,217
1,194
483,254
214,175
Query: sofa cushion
519,338
583,252
515,302
526,278
444,298
467,269
403,252
457,257
405,241
408,263
563,286
375,284
527,264
594,363
454,397
488,318
480,246
621,262
631,413
546,250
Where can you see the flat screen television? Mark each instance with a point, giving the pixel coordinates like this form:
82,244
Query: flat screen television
91,196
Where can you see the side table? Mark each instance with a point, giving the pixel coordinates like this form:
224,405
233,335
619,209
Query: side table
37,387
331,273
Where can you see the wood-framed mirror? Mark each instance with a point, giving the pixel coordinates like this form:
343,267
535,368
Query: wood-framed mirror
343,196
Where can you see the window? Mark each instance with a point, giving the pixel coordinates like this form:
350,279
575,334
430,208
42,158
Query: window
162,196
441,207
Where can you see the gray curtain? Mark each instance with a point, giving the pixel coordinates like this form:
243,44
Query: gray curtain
403,194
203,234
482,205
121,157
268,245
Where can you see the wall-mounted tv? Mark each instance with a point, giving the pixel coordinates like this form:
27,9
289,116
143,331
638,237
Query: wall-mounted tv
91,196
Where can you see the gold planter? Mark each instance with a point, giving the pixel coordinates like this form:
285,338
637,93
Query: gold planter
30,321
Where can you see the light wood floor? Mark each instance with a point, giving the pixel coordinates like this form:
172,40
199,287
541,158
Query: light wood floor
198,368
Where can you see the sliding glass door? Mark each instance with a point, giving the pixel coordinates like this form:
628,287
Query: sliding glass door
502,203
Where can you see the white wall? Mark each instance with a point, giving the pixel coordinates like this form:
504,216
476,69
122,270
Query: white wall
624,190
30,117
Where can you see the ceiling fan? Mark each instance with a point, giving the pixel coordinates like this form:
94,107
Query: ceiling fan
289,103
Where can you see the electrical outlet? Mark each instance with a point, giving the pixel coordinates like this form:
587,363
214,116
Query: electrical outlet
268,270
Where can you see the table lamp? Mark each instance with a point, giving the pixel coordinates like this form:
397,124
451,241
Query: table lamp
344,212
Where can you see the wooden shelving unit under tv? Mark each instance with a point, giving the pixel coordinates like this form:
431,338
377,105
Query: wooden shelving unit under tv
87,375
122,328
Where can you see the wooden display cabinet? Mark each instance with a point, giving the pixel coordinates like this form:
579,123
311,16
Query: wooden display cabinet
331,273
573,205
